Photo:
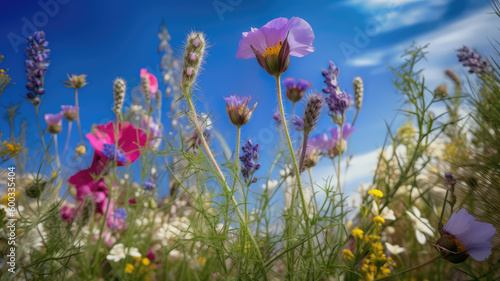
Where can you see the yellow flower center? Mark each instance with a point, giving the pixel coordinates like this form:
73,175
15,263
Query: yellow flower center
274,50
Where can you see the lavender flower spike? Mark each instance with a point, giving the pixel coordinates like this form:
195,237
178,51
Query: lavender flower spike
275,42
36,64
238,111
249,161
462,236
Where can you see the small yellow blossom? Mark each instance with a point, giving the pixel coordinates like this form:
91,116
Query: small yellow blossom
81,150
129,268
357,233
146,262
379,220
376,193
347,254
202,260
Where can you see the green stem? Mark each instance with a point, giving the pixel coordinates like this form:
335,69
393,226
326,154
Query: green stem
223,179
410,269
296,168
56,148
78,120
70,123
40,128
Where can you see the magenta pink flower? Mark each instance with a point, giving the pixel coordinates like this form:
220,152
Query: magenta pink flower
68,212
130,142
275,42
153,82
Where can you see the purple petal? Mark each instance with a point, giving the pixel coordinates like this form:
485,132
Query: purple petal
480,250
253,38
300,38
303,84
478,232
459,222
289,82
347,130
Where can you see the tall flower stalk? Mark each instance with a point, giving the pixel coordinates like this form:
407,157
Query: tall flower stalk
77,82
194,52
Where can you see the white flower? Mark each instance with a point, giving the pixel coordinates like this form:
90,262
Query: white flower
135,108
118,252
394,249
175,254
386,214
271,184
421,225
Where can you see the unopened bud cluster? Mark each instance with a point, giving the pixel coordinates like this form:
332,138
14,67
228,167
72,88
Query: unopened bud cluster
119,88
311,115
193,55
358,92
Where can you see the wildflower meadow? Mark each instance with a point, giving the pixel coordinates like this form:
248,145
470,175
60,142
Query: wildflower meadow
172,185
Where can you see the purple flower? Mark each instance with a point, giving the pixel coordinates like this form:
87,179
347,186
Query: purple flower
338,101
36,64
54,122
149,185
120,213
275,42
295,92
237,109
155,132
329,143
332,86
277,118
249,161
70,113
298,123
465,236
474,61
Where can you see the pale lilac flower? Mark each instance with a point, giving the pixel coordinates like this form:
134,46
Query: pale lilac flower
298,123
275,42
328,143
237,109
469,234
295,91
277,118
54,122
70,112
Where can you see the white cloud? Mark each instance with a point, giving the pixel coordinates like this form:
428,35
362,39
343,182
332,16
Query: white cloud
471,30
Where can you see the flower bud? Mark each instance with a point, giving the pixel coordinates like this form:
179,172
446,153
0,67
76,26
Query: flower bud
35,188
70,113
441,91
311,115
358,92
54,122
453,76
238,111
119,88
295,92
193,55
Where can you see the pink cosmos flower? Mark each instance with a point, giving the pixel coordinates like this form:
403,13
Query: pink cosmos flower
130,142
153,82
275,42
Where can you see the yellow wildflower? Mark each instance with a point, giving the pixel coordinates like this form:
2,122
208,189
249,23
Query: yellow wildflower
81,149
357,233
146,262
376,193
202,260
129,268
347,254
379,220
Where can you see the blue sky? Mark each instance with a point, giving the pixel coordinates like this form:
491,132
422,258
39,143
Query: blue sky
108,39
